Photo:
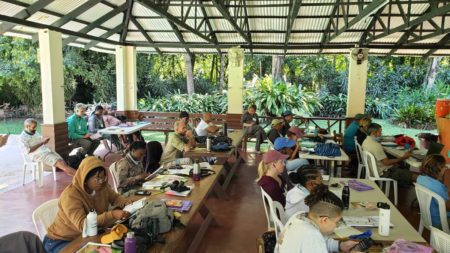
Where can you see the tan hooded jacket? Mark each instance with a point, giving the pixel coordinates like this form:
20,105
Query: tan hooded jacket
75,203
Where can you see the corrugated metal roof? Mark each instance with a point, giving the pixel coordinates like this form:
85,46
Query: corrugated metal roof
43,18
268,37
97,32
155,24
310,24
164,37
190,38
135,36
9,9
95,12
64,6
305,37
73,26
230,38
114,21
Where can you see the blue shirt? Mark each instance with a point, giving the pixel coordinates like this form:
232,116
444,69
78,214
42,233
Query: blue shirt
349,137
439,188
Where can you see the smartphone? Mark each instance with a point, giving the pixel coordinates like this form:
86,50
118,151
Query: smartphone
143,193
364,245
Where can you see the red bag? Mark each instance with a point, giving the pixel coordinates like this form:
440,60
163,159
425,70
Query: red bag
403,140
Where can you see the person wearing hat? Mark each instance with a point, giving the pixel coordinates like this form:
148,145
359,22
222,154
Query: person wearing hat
290,148
250,123
275,131
295,133
269,175
88,191
350,133
78,131
288,116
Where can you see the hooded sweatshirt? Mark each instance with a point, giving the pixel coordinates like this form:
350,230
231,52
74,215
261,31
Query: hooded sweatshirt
75,204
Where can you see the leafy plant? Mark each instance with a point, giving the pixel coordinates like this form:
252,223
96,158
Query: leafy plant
333,105
272,99
414,116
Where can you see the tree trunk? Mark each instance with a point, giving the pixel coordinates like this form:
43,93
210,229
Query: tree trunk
189,60
277,68
222,72
432,72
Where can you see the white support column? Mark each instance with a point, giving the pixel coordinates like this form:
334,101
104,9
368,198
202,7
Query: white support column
52,76
357,79
235,80
126,78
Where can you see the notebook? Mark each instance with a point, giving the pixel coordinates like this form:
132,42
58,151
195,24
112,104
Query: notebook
435,148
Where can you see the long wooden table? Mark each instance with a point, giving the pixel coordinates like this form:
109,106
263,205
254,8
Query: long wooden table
236,137
175,239
331,159
402,228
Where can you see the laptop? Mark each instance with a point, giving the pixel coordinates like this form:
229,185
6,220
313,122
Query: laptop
433,149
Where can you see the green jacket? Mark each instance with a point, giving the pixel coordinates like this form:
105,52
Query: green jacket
77,127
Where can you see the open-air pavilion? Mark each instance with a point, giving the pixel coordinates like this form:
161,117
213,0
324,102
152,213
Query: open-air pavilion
357,28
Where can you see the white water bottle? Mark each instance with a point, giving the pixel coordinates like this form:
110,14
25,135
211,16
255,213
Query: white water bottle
91,223
384,219
208,144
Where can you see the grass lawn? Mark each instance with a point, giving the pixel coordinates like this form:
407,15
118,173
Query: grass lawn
15,126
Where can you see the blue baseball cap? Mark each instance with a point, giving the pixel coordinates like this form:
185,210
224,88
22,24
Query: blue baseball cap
282,142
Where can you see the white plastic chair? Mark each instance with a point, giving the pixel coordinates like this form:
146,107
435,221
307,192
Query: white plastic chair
359,152
44,215
115,175
424,196
38,169
276,217
372,174
439,240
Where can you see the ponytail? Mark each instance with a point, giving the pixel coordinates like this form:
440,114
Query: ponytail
262,169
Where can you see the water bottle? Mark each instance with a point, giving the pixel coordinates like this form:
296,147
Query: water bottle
384,219
225,129
196,171
130,243
208,144
91,223
346,196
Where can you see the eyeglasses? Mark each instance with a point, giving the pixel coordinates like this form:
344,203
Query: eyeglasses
100,180
338,223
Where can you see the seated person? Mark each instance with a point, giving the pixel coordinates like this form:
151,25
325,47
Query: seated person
433,169
290,148
350,133
305,180
295,133
205,126
250,122
109,119
96,122
180,141
184,116
88,191
130,169
386,167
275,131
35,147
3,139
309,232
288,116
362,133
21,241
269,175
78,132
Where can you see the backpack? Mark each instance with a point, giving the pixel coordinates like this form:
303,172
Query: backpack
154,218
75,160
328,149
221,139
267,242
221,147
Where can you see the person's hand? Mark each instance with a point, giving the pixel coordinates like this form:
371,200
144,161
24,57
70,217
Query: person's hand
407,155
86,136
120,214
189,134
347,245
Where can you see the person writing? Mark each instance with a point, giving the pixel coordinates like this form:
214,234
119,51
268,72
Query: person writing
433,169
88,191
130,169
305,179
35,147
309,232
269,175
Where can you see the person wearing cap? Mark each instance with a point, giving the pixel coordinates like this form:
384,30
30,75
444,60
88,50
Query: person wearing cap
179,142
250,122
88,191
295,133
269,175
288,116
350,133
78,131
290,148
275,131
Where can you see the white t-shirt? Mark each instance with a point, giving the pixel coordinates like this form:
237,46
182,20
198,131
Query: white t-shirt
374,147
301,235
201,128
28,141
295,200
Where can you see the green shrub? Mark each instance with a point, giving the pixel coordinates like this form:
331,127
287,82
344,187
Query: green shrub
272,99
333,105
415,116
379,108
